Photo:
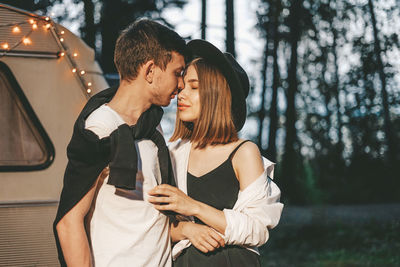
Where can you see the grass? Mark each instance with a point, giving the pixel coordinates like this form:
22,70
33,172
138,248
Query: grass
371,244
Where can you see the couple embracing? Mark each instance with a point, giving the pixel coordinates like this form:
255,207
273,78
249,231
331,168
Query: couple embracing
129,200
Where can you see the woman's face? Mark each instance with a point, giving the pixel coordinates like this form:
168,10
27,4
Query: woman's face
189,98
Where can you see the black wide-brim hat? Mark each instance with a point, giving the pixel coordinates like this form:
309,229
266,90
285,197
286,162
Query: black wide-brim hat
234,74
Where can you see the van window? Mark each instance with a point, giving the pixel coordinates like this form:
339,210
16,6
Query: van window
24,145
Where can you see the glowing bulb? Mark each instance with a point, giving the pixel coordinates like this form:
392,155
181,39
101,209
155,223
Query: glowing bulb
74,70
47,18
47,26
62,32
82,72
52,14
62,54
5,46
61,39
89,84
16,29
26,41
34,26
89,90
31,21
75,54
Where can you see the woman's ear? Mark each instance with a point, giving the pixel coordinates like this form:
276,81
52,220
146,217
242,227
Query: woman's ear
149,68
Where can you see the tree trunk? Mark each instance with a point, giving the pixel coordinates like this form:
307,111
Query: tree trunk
109,33
273,110
230,27
261,112
289,162
203,19
339,146
89,30
388,127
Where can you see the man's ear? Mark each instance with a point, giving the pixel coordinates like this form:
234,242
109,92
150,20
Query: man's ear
149,68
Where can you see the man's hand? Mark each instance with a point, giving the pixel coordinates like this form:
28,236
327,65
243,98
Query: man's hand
203,237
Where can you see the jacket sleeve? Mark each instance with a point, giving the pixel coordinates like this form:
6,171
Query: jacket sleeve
256,211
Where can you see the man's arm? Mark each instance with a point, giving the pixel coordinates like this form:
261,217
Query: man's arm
72,235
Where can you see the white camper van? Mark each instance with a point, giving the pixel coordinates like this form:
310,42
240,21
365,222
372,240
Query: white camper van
46,76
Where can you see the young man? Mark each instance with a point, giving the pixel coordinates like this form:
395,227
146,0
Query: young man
117,128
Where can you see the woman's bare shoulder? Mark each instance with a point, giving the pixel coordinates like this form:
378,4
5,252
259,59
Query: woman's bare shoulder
248,163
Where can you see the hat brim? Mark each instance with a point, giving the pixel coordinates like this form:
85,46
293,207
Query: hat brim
210,53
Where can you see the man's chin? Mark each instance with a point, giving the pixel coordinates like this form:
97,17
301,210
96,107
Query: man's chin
165,103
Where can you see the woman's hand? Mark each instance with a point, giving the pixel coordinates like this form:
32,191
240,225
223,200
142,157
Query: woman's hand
203,237
167,197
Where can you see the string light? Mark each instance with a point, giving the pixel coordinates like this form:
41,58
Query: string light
47,24
16,29
26,41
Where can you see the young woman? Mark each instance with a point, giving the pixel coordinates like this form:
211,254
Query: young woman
223,185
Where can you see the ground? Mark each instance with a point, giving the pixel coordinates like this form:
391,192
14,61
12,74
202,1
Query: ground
342,236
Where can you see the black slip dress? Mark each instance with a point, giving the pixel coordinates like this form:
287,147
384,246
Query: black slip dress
218,188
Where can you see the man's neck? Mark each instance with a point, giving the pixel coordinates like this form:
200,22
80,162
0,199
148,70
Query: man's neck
130,101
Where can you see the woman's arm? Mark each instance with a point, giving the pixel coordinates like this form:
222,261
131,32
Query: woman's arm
258,208
202,237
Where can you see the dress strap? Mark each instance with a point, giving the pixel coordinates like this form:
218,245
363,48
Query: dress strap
236,148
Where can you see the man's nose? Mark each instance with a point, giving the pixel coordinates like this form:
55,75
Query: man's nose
181,85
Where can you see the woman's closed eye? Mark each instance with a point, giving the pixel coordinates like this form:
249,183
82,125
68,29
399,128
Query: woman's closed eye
194,84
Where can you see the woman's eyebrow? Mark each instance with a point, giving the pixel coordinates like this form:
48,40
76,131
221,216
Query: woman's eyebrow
192,81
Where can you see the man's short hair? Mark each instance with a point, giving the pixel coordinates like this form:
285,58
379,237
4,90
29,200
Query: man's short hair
142,41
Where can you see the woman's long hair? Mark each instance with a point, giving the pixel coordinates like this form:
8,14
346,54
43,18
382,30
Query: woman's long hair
215,124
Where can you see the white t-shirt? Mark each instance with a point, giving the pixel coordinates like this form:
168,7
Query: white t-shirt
128,231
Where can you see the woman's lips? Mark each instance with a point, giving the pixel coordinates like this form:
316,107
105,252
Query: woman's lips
182,106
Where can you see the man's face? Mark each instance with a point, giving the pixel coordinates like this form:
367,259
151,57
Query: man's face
167,82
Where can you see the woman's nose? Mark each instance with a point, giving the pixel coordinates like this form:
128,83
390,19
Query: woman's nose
182,93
